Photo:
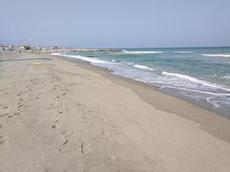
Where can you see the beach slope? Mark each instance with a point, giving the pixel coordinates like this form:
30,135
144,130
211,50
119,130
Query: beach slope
57,116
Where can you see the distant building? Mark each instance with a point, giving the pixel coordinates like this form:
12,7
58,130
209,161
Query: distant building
54,47
1,49
37,48
8,47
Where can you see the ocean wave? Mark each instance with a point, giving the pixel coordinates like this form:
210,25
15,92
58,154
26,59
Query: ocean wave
141,52
215,99
195,80
183,52
88,59
143,67
196,91
219,101
212,101
226,77
216,55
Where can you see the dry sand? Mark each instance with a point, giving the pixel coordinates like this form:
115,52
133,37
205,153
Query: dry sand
60,116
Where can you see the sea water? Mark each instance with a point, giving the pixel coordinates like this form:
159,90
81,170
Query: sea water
199,75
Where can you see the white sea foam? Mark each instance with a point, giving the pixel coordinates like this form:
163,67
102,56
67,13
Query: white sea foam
88,59
197,91
219,101
55,54
226,77
143,67
212,101
141,52
192,79
184,77
216,55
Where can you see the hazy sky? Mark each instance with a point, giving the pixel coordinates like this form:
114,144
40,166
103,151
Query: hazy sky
116,23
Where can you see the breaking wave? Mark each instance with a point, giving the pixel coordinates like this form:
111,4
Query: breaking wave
216,55
141,52
143,67
192,79
88,59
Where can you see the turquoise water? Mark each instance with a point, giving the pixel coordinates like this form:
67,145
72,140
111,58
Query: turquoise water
200,75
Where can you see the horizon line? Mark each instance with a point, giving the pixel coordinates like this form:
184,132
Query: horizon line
53,45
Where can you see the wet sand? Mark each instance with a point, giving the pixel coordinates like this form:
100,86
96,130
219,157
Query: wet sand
57,115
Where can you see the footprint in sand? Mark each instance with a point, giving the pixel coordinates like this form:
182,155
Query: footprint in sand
2,141
54,87
5,114
82,147
55,125
63,94
19,105
83,116
66,141
5,107
16,113
19,94
102,132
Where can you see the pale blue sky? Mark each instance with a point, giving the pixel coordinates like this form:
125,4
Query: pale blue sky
116,23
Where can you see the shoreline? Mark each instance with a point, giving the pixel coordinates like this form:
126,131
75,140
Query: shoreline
199,95
212,122
61,115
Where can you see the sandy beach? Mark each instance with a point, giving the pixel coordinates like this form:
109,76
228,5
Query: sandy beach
60,115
